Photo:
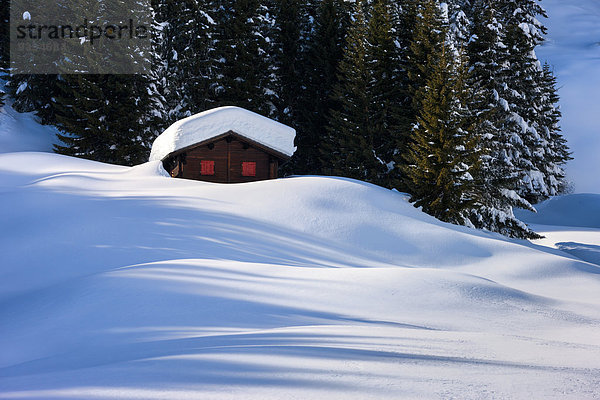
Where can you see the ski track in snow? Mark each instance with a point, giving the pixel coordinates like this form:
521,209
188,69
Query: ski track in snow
121,283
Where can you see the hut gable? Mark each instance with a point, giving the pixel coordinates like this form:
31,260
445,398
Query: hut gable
226,145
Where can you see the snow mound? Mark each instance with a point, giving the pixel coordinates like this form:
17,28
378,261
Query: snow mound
149,169
122,283
205,125
575,210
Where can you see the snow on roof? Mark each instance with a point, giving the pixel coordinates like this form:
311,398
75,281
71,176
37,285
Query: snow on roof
211,123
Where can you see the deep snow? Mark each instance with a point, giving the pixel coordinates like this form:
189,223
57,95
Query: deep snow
120,282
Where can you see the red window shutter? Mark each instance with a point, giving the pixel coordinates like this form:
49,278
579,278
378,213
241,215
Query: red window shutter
207,167
248,168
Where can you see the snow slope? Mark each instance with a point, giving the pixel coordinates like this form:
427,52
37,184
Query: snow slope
121,283
22,132
573,49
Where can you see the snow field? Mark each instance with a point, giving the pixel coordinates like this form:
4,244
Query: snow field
122,283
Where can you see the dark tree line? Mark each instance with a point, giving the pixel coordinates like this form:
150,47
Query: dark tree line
445,101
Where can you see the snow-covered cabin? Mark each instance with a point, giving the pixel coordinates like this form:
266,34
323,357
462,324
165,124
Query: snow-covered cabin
225,145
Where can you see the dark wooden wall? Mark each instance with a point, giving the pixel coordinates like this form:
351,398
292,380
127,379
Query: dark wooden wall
228,154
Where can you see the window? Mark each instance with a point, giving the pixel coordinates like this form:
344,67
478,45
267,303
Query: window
248,168
207,167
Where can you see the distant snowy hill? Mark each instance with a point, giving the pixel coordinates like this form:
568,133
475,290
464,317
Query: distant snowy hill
573,49
569,223
121,283
576,210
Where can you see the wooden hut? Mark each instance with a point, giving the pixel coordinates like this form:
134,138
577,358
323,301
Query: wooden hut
224,145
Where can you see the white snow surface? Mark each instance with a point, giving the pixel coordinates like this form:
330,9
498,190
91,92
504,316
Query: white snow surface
22,131
211,123
122,283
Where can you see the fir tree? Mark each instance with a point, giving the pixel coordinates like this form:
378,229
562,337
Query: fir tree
388,92
428,33
497,180
241,71
350,145
181,65
443,156
4,44
323,55
524,95
103,118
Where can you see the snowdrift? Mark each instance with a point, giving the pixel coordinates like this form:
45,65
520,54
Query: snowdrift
121,282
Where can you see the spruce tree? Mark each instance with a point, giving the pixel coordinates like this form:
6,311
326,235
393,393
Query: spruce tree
4,45
428,33
103,118
181,65
497,179
108,117
388,91
525,95
241,71
459,24
406,11
350,145
323,54
30,93
290,30
554,151
443,155
34,93
371,122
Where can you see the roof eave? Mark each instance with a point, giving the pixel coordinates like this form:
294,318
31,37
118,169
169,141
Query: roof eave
282,156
